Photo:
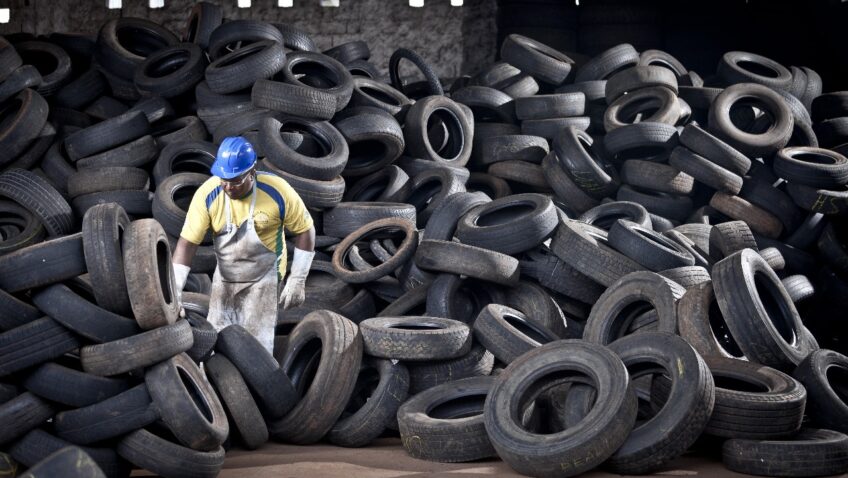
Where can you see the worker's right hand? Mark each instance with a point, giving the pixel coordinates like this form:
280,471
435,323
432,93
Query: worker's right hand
181,272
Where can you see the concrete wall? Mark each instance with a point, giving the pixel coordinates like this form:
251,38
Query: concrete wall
455,40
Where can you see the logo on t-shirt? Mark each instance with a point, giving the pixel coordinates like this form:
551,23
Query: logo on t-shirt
261,219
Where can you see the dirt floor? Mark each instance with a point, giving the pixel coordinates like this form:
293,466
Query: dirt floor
386,459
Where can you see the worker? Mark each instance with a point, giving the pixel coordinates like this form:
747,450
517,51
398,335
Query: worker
247,221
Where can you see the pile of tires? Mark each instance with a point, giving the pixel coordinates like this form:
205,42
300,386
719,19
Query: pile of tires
565,266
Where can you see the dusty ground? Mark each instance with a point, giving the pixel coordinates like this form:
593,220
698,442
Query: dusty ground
387,459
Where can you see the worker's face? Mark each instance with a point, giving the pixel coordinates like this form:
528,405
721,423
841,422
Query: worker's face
239,186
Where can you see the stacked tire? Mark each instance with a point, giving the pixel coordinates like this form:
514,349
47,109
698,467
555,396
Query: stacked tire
565,266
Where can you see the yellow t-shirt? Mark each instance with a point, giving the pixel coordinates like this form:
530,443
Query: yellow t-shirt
277,206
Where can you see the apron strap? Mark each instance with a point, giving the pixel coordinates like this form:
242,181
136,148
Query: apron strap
228,212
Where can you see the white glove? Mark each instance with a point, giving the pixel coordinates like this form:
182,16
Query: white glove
180,277
294,293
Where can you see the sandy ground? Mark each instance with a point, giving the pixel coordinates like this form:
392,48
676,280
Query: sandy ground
386,459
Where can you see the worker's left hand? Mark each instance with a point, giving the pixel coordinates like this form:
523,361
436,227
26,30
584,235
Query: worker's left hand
293,294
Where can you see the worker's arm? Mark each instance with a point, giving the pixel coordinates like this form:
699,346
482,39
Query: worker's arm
184,252
305,241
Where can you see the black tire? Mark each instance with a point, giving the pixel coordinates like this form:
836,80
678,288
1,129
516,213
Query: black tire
812,452
71,387
42,199
415,338
272,389
731,70
714,149
15,312
386,185
42,264
820,372
134,154
370,92
705,171
638,77
551,128
297,100
27,229
431,420
188,157
433,85
611,318
656,176
372,405
107,179
9,59
676,426
508,333
23,78
203,19
204,333
814,167
514,147
187,404
644,141
426,375
22,414
670,206
536,59
759,311
457,151
759,220
327,75
81,316
774,410
72,462
150,452
39,444
558,276
184,129
585,248
239,69
235,396
605,64
773,200
315,194
112,417
107,135
493,226
687,277
136,202
341,255
150,279
590,442
644,245
564,187
586,167
659,99
333,376
486,104
821,201
24,117
349,52
374,139
456,258
756,145
347,217
171,71
123,43
138,351
171,201
52,62
231,34
325,165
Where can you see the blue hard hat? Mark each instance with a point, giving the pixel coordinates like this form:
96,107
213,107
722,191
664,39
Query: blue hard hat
235,157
